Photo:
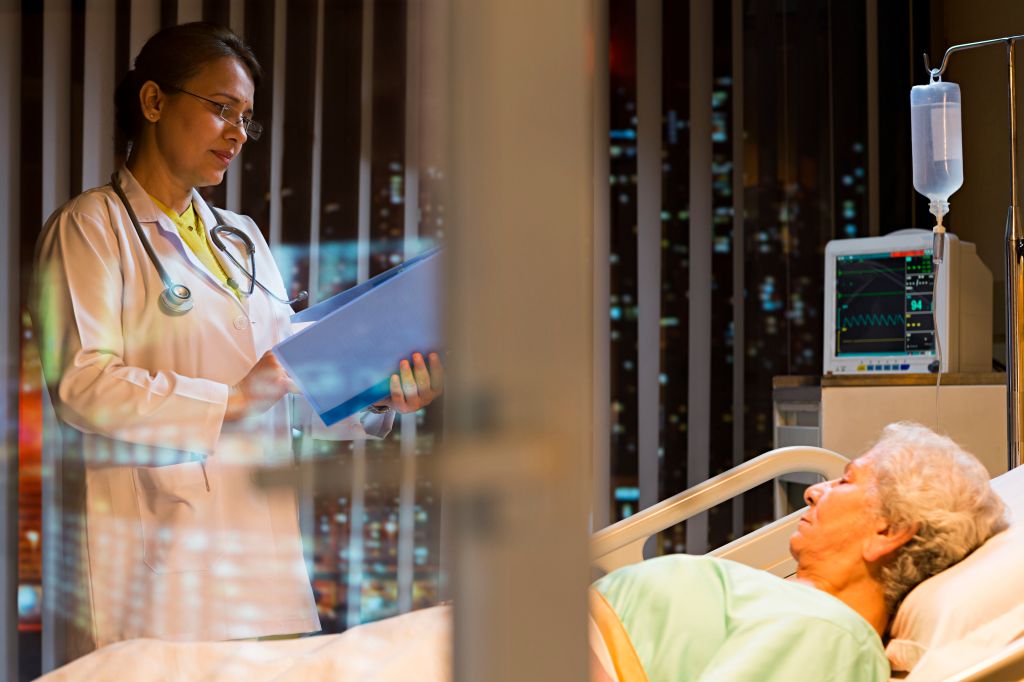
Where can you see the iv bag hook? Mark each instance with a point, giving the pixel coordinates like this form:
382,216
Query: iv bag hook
966,46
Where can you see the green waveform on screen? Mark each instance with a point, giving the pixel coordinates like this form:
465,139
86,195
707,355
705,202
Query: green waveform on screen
873,320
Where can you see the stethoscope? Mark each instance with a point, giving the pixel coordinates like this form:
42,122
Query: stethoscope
176,299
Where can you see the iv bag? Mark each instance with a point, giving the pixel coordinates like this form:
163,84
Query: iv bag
936,142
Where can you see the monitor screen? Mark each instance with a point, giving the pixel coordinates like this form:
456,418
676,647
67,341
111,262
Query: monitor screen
883,303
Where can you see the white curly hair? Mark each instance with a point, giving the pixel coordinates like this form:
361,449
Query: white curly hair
927,479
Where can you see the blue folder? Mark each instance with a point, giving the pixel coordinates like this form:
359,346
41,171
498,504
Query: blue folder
344,361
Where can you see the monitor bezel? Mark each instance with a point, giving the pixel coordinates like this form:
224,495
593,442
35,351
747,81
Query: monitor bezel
905,240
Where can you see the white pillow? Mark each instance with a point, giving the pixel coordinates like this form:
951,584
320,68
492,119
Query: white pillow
944,661
983,587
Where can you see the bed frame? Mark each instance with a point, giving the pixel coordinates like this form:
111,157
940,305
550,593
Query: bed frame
621,544
767,548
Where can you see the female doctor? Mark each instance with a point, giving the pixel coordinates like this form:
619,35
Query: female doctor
155,346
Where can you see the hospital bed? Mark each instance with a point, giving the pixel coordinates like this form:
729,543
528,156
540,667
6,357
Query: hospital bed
993,650
418,645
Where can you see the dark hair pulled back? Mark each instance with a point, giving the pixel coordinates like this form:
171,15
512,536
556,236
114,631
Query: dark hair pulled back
170,58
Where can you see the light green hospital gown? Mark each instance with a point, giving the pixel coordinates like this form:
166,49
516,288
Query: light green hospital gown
702,618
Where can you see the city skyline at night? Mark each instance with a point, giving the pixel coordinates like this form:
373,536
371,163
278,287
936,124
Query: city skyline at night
789,193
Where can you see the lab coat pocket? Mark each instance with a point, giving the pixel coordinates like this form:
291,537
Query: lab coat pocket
178,511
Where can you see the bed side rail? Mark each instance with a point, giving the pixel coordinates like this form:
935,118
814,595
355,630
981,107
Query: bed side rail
621,544
767,548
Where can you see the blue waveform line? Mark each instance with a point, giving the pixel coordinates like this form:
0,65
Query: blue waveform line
873,320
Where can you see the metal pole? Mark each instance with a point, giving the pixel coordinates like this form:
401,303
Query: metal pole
1014,260
698,389
648,245
1014,285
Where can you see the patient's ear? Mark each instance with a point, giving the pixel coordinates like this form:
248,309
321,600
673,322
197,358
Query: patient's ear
886,540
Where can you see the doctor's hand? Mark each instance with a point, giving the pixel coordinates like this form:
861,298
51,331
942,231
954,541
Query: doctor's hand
415,386
264,385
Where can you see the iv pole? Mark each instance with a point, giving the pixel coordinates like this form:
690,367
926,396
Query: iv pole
1014,261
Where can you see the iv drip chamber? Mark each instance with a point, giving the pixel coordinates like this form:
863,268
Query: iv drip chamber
936,142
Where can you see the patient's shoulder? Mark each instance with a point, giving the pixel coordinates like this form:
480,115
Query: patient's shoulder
671,580
669,568
791,601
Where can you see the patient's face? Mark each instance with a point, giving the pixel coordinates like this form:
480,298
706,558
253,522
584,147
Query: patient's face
840,519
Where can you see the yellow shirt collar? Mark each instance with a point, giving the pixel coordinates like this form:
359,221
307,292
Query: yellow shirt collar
187,220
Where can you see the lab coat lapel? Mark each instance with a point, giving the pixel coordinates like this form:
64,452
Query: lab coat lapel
155,223
144,208
150,215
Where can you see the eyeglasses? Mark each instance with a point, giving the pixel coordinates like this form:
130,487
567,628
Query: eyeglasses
230,114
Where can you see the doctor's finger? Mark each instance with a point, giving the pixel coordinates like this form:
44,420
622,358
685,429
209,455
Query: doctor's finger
436,374
409,387
269,361
397,396
422,376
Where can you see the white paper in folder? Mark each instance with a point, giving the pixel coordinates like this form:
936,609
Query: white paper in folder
343,360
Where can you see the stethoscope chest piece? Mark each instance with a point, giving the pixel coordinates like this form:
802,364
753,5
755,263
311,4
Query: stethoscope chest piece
176,299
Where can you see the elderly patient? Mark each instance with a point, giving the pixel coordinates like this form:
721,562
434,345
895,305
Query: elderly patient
913,505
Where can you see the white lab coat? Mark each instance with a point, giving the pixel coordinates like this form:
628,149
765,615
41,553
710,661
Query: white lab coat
179,541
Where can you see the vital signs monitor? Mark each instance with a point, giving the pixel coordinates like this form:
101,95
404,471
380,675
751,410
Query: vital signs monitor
880,293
